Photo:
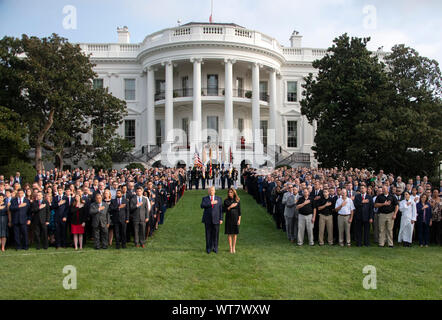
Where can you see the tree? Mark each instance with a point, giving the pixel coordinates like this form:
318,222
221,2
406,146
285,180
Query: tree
110,151
416,110
348,92
12,136
371,114
67,135
51,88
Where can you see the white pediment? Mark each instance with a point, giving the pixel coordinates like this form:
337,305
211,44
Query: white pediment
292,113
132,111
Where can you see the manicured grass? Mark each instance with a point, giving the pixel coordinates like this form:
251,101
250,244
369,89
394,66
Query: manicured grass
174,265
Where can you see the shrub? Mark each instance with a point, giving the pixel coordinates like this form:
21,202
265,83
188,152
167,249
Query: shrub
135,165
248,94
27,171
283,165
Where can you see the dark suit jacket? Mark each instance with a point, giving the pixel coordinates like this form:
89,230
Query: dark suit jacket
82,214
212,215
119,215
99,218
420,213
60,211
40,215
364,211
20,215
138,214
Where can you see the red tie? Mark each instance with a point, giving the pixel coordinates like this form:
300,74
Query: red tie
363,197
211,199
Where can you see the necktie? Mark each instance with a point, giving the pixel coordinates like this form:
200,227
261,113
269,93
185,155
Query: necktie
363,197
19,201
211,199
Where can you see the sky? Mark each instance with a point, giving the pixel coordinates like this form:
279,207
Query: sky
414,23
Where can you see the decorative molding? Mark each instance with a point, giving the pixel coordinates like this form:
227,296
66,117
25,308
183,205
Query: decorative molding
196,59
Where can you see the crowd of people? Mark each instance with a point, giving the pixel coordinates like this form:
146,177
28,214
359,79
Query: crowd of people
65,209
348,205
219,177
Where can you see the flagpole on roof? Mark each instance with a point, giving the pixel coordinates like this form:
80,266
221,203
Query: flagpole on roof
211,11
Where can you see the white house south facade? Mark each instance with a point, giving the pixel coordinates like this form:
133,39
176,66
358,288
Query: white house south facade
218,87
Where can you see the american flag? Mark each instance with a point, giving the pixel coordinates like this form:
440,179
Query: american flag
197,159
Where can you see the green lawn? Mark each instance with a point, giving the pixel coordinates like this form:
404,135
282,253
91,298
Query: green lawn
174,265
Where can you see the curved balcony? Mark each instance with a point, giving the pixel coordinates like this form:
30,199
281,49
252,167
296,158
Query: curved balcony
211,92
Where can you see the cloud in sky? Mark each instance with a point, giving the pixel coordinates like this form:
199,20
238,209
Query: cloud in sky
415,23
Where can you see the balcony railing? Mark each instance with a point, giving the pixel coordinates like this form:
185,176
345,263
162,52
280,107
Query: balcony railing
211,92
184,92
160,95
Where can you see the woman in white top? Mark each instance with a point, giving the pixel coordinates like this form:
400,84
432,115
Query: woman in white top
408,209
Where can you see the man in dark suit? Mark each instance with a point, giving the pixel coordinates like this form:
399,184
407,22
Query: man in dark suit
17,178
223,174
60,205
363,216
139,207
212,218
99,211
120,216
21,218
40,215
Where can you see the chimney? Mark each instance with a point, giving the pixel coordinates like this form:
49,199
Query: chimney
123,35
295,40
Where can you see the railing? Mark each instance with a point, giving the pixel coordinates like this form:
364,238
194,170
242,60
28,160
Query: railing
263,96
244,147
213,30
154,151
129,47
160,95
98,47
239,93
284,157
182,31
183,92
212,92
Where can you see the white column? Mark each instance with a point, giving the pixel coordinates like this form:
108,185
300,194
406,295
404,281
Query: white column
196,119
272,100
255,108
168,122
151,132
228,106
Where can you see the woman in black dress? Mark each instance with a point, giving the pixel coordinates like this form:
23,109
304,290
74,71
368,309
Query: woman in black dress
4,218
233,217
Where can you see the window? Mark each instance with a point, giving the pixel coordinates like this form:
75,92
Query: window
160,132
185,87
98,83
292,134
263,95
292,91
185,125
263,127
240,87
160,89
129,131
240,125
129,89
212,84
212,123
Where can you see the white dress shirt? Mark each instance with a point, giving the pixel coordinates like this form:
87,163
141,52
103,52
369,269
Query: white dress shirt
345,210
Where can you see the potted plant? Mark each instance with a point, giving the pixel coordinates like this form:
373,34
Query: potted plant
248,94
